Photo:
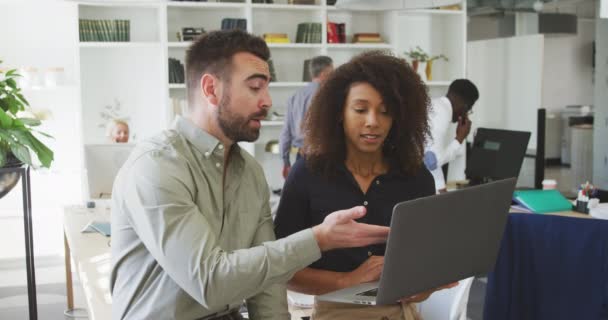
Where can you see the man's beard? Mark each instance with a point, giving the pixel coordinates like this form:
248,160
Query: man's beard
235,126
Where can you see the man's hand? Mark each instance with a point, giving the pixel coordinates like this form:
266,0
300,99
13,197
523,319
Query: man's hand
286,169
368,271
425,295
340,230
463,129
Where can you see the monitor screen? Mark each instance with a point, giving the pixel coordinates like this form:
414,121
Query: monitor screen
496,154
102,164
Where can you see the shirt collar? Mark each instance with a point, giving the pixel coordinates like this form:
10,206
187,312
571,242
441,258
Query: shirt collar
204,142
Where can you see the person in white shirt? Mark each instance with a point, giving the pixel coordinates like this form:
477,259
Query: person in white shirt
445,144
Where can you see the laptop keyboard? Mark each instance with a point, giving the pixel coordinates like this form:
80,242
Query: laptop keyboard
369,293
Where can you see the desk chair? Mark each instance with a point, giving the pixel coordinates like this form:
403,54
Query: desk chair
448,304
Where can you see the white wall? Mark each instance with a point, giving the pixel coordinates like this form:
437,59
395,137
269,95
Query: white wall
568,72
509,80
43,34
600,131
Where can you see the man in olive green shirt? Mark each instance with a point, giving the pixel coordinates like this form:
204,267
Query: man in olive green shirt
192,231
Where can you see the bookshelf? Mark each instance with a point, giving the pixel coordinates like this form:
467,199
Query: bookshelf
137,74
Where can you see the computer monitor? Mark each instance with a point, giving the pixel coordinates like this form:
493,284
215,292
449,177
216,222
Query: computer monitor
102,163
496,154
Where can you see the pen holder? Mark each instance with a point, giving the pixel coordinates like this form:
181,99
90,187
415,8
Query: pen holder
581,206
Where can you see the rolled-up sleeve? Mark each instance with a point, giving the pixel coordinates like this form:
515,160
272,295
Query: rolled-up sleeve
159,196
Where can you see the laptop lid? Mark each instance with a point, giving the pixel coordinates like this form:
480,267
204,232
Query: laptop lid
443,238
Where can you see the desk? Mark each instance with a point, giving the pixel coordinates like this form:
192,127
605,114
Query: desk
550,267
91,255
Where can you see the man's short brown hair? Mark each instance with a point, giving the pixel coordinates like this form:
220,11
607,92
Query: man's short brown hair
212,53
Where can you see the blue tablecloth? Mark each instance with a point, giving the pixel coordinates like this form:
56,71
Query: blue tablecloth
550,267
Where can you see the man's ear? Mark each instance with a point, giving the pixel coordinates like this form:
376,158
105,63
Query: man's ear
210,88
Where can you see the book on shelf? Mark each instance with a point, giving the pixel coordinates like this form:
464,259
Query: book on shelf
104,30
308,32
276,38
262,1
232,23
306,77
190,33
306,2
273,74
367,38
176,71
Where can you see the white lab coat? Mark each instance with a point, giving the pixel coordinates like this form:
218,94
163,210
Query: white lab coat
443,141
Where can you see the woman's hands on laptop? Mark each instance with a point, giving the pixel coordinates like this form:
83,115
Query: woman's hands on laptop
426,294
340,230
368,271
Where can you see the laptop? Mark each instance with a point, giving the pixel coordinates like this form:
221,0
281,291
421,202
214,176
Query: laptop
437,240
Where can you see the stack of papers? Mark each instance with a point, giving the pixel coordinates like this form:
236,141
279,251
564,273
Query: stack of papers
600,212
102,227
300,300
542,201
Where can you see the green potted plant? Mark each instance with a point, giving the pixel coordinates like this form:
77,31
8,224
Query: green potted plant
417,56
18,144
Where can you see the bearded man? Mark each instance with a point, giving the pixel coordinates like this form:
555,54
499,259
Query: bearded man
192,233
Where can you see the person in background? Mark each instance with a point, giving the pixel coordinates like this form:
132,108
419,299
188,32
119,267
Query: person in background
364,141
192,234
297,105
118,131
446,145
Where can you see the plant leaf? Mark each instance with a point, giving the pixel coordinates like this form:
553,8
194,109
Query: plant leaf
11,83
44,154
6,121
21,152
23,100
32,122
2,157
13,105
43,133
6,137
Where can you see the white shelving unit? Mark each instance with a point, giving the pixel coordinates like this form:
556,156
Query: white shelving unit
136,73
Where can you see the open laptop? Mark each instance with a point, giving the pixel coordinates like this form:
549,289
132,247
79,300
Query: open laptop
437,240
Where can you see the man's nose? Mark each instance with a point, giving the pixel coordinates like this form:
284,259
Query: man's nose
266,100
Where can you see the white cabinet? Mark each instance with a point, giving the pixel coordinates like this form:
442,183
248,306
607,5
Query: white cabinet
136,73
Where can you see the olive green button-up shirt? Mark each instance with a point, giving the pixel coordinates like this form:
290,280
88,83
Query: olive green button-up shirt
186,245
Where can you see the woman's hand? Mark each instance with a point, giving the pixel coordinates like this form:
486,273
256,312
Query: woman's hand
368,271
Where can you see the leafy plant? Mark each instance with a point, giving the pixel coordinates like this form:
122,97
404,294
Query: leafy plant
417,54
420,55
16,133
441,56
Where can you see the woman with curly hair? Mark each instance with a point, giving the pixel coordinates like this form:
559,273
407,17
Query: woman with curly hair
365,133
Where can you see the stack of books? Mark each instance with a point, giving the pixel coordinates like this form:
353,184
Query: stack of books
308,32
336,32
309,2
176,71
230,23
367,38
104,30
306,76
276,38
189,34
273,74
